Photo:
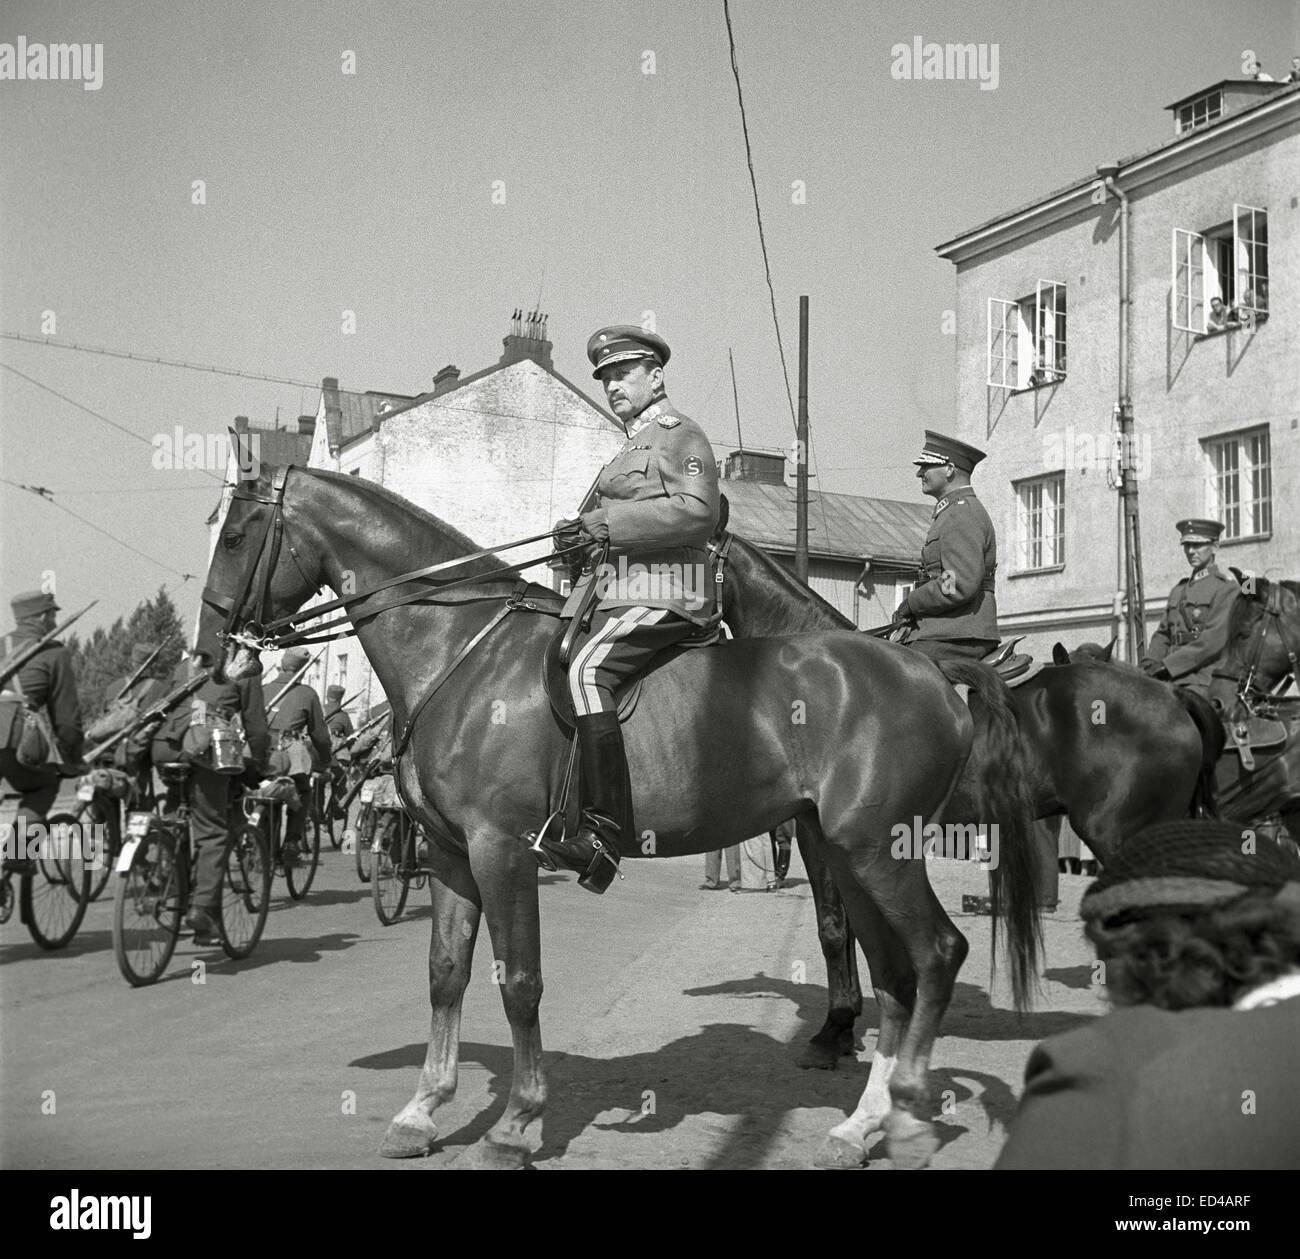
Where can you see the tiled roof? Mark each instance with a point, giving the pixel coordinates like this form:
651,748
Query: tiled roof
843,526
359,410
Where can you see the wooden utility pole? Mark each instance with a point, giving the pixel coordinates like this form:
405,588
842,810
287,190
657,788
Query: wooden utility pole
735,399
801,452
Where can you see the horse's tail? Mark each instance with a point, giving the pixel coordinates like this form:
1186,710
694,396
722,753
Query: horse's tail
1013,870
1205,798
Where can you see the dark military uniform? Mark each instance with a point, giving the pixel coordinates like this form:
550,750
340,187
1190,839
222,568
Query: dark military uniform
1194,629
657,504
339,725
46,682
953,602
659,498
210,793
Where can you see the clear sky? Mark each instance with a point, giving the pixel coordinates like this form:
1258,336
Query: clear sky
373,193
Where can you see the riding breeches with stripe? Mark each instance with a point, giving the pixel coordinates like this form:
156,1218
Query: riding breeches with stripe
623,642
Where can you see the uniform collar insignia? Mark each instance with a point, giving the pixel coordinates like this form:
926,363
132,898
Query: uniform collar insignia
660,410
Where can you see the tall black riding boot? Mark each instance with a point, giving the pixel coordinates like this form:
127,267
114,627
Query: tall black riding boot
606,807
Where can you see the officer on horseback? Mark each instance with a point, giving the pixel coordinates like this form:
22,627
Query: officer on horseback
1193,632
952,608
656,506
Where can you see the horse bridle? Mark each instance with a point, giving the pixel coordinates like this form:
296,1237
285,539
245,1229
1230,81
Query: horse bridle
272,536
259,634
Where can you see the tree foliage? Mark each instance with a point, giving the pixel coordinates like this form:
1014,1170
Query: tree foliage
105,657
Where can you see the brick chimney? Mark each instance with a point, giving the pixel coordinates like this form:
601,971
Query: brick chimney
527,339
446,380
306,424
765,467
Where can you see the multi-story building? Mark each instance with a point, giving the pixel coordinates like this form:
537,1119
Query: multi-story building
1213,272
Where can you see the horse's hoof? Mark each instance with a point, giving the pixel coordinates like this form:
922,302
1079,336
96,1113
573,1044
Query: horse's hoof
492,1156
408,1139
839,1154
819,1057
910,1142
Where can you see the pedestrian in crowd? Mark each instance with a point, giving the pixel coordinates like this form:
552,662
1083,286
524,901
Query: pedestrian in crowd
45,687
757,872
952,610
211,795
1193,632
1294,75
713,868
300,740
1196,925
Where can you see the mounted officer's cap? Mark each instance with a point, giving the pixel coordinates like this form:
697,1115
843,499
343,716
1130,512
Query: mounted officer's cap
32,603
294,659
620,342
140,652
1199,530
939,450
333,692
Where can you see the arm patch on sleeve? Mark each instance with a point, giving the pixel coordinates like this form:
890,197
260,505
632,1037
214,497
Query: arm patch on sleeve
693,465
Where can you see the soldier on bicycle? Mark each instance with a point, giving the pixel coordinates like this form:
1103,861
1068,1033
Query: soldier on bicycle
211,794
45,685
301,740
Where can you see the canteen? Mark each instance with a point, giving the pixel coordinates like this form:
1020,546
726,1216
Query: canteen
227,752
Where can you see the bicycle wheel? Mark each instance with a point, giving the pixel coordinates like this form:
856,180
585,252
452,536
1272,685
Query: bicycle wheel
245,891
365,837
387,886
53,901
147,904
325,811
97,813
299,877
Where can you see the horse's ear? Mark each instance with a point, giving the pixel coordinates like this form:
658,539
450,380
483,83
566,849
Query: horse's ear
1110,650
724,513
1060,655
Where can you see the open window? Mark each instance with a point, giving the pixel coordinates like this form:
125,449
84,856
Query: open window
1219,276
1026,339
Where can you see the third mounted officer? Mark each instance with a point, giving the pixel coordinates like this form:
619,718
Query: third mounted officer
953,608
1193,632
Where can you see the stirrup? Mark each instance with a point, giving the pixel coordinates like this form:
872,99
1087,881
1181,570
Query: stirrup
534,839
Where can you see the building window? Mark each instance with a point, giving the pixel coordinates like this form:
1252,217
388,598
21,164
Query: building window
1040,522
342,679
1239,483
1219,276
1198,112
1026,338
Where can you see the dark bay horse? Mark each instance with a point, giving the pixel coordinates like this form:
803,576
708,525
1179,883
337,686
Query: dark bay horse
1113,751
842,732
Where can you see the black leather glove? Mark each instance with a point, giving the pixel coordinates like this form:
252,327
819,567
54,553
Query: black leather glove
1154,669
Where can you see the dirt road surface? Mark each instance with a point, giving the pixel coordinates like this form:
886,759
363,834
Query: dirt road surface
672,1019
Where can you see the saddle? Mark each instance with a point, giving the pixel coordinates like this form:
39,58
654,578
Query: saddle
1011,666
1254,733
555,672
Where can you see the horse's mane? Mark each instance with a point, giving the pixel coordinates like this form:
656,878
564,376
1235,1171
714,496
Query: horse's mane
381,494
794,607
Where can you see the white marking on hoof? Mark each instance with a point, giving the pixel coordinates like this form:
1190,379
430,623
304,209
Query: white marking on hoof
839,1154
409,1138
